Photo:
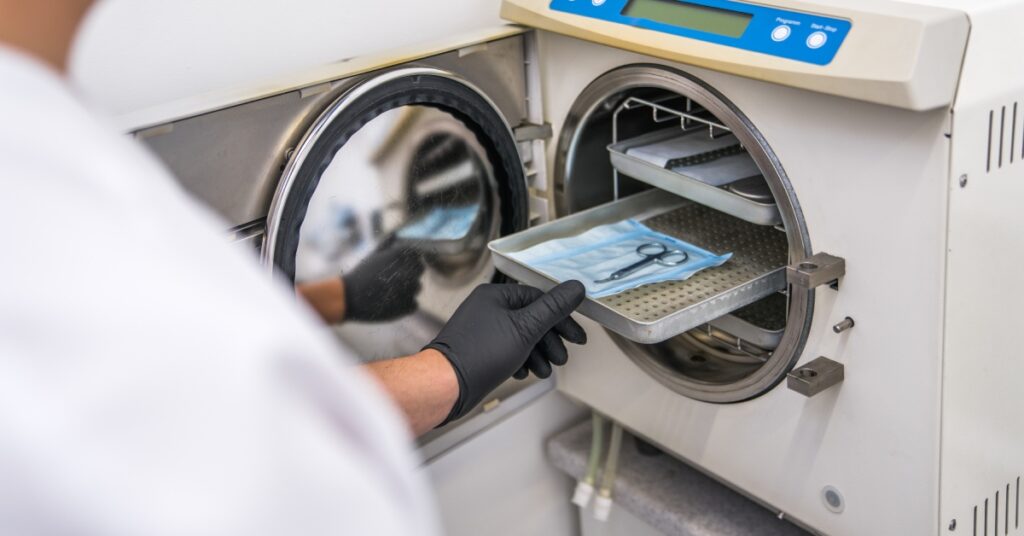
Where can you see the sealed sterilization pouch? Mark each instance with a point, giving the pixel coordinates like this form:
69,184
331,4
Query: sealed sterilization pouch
617,257
716,161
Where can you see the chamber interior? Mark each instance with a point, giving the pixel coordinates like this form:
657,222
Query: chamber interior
652,137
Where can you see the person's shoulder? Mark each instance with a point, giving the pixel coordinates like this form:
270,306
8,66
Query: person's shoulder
47,131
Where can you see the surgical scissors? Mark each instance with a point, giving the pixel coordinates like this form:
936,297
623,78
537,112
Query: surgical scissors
651,252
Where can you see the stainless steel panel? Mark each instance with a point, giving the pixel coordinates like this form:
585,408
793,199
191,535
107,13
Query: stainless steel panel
231,159
654,313
503,402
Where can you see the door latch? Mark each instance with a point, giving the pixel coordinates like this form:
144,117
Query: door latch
815,377
820,269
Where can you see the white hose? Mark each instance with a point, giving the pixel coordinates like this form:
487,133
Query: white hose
585,488
603,504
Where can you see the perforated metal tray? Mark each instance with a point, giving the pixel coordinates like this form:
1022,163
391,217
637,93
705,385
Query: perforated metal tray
686,186
654,313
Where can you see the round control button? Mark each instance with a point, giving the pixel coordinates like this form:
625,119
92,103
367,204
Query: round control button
816,40
781,33
597,2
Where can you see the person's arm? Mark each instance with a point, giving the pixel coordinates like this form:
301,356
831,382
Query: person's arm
382,288
499,331
326,297
423,385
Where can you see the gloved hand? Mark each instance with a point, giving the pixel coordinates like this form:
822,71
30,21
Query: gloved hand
384,286
506,330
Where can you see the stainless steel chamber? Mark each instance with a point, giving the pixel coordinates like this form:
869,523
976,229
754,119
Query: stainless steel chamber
729,357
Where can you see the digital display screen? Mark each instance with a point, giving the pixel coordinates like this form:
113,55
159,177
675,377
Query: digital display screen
692,16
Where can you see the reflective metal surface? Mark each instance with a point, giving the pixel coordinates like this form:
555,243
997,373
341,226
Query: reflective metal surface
413,178
845,324
692,364
232,158
754,189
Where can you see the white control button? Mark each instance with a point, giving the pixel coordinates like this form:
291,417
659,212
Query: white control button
781,33
597,2
816,40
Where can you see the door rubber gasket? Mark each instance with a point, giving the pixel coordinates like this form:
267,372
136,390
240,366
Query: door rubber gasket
446,94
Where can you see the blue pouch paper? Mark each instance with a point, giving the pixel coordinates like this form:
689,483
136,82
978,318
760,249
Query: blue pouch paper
601,251
447,223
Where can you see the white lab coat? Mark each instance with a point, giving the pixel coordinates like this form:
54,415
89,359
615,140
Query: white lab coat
152,380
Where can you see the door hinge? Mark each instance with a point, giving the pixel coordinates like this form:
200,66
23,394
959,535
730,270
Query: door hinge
530,132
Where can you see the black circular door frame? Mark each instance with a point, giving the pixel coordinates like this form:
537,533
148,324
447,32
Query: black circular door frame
360,105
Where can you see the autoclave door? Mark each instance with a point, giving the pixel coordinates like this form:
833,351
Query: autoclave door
405,178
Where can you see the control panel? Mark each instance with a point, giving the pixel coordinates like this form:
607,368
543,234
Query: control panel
794,35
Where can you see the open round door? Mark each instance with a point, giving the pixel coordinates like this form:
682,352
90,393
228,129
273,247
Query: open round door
410,166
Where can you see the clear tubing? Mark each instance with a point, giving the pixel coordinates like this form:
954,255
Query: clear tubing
596,442
612,463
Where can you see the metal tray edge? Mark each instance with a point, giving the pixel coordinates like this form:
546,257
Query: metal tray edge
659,330
712,196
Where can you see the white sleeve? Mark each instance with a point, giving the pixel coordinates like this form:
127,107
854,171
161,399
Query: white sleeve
152,383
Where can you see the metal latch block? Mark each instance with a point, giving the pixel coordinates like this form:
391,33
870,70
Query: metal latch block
815,376
821,269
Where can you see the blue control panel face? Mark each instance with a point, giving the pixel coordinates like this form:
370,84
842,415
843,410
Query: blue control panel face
793,35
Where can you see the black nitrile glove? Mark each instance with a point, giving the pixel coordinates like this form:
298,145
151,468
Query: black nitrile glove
506,330
384,286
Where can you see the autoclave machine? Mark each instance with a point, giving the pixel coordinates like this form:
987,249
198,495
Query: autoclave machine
849,367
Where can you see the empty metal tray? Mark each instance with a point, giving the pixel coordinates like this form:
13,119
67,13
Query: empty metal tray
761,323
677,182
656,312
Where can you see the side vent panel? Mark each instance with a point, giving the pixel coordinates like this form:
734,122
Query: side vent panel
1005,137
999,514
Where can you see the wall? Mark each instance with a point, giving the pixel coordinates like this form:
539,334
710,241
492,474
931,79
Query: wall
137,54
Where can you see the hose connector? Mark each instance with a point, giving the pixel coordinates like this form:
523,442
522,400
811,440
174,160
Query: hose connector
602,507
584,492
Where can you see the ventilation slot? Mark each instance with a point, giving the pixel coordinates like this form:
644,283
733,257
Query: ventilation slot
999,514
1005,147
